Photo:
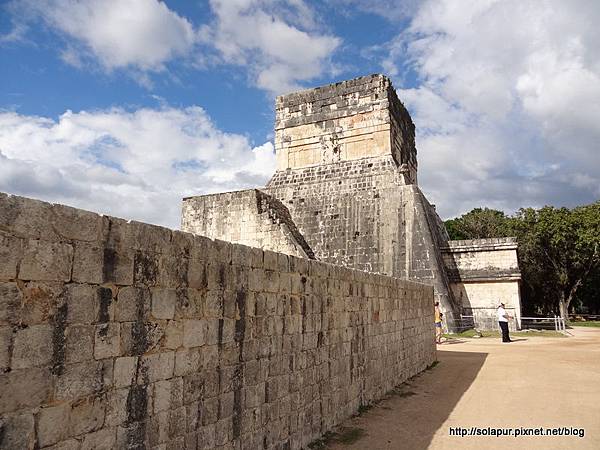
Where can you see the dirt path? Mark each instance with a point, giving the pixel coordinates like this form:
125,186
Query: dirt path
534,382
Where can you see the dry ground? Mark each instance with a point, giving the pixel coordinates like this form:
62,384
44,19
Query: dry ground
533,382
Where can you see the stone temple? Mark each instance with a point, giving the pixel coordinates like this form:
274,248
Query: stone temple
346,192
282,312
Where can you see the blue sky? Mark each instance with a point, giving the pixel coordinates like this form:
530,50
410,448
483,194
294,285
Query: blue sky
123,107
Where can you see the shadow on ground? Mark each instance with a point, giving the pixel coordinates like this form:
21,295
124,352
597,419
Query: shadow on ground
411,415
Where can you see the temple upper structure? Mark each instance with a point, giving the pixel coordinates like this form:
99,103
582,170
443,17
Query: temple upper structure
345,191
352,120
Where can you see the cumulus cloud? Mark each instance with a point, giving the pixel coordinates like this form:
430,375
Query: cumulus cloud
507,103
138,34
277,40
132,164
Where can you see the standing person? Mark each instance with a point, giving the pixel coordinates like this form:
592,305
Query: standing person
503,322
438,323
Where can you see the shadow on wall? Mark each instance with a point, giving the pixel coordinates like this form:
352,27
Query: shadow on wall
411,418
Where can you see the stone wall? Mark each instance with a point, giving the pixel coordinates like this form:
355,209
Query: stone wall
483,273
252,218
119,334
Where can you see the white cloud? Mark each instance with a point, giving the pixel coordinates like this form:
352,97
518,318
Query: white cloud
508,101
276,39
131,164
139,34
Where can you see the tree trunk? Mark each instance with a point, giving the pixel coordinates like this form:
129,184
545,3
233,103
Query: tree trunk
563,306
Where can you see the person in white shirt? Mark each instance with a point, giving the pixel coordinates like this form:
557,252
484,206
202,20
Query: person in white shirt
503,322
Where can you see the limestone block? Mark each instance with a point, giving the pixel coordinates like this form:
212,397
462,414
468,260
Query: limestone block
162,396
176,427
197,275
145,268
27,388
173,335
6,338
88,263
87,415
79,380
82,304
76,224
41,302
188,361
46,261
53,423
10,303
107,343
133,303
33,347
140,337
116,405
193,333
213,306
158,366
70,444
79,343
117,265
26,217
211,332
104,439
189,304
124,371
149,237
18,432
10,256
163,303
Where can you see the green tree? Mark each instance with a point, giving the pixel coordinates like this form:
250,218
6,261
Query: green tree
559,252
479,223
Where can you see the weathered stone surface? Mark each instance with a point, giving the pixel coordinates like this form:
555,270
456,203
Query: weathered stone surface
10,303
133,304
104,439
6,338
76,224
51,261
22,389
53,424
79,380
124,371
107,341
193,333
33,347
163,303
88,263
10,256
25,217
41,301
79,344
17,432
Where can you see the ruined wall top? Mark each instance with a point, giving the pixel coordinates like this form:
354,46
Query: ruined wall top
353,119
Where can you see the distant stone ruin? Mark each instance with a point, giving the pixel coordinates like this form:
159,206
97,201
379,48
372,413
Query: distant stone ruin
345,192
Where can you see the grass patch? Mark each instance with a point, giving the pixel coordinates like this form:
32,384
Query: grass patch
590,323
349,435
364,408
344,435
432,365
470,334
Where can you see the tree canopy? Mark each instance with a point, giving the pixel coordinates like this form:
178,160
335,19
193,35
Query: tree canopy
559,253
